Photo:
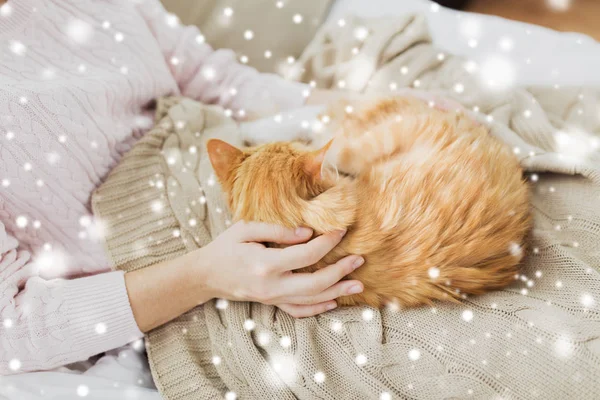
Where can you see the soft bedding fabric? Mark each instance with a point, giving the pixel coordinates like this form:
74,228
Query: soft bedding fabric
535,55
538,338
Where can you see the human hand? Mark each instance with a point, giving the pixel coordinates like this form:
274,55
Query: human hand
236,266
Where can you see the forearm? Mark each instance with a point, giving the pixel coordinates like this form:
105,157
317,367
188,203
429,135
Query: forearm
166,290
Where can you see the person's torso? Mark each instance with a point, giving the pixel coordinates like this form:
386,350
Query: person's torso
76,83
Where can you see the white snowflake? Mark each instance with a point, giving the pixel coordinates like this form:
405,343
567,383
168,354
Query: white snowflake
17,47
8,323
138,345
467,315
433,272
172,20
515,249
10,135
268,53
587,300
361,33
14,364
470,27
230,396
297,18
119,37
228,11
575,144
6,182
319,377
385,396
248,35
249,325
85,221
285,342
216,360
208,73
559,5
48,73
337,326
360,359
264,338
157,206
83,390
506,43
100,328
563,347
51,262
538,274
497,72
22,221
414,354
368,314
79,31
459,88
285,367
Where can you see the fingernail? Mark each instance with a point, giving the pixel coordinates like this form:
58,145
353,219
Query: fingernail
358,262
303,231
331,306
354,289
342,232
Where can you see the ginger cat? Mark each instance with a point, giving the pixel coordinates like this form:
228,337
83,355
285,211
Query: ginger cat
436,206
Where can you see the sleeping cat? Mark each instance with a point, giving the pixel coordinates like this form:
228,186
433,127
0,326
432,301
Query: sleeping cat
436,206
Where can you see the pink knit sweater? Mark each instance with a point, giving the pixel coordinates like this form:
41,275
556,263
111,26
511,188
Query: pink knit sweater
77,79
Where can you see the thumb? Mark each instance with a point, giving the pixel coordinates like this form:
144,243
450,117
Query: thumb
262,232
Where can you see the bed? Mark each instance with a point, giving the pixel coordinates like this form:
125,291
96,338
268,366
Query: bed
532,55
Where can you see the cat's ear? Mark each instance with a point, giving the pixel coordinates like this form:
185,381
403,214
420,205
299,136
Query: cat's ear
314,161
223,157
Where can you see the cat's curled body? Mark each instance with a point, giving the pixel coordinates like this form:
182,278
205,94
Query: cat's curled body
436,206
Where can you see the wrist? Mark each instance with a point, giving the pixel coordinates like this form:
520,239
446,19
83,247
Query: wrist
199,272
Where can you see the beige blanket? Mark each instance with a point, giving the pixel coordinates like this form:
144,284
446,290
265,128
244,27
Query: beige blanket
280,29
539,338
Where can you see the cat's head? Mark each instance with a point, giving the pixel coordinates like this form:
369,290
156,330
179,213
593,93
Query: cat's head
268,183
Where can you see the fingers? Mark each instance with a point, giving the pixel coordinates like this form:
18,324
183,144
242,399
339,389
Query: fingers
303,255
343,288
312,284
261,232
302,311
